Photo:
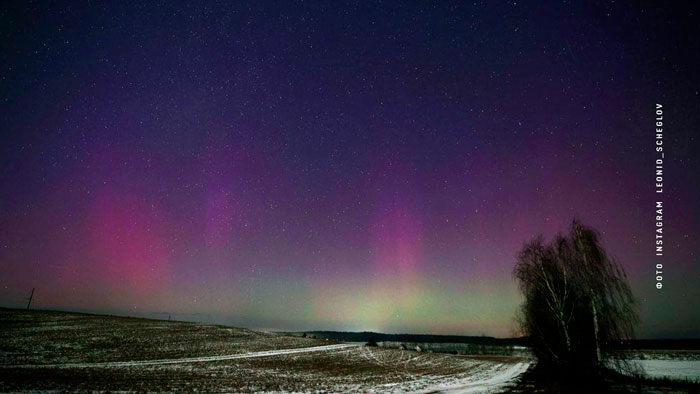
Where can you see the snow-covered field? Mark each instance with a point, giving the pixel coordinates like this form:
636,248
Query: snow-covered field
188,360
50,351
675,369
676,364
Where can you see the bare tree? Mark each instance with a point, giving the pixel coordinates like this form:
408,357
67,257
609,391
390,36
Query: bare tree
603,283
544,278
577,298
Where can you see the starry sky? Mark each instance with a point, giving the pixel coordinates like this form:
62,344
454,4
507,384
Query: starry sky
329,165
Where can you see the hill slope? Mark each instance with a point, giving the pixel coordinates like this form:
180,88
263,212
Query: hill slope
68,352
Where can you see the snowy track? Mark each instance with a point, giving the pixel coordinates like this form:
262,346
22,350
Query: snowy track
266,353
441,373
479,386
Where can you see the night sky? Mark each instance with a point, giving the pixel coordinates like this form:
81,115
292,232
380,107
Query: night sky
322,165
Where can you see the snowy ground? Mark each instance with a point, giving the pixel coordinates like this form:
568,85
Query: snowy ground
188,360
500,379
49,351
675,369
676,364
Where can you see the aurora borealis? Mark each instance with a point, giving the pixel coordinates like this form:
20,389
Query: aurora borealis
319,165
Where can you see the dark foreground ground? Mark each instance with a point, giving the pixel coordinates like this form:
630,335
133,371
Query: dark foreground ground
47,351
43,351
536,380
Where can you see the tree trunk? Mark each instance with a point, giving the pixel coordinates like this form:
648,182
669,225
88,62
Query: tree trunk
595,331
565,331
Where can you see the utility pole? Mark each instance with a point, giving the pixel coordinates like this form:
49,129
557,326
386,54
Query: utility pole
30,299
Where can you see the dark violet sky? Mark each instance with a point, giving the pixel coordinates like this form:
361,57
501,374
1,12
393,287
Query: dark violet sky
323,165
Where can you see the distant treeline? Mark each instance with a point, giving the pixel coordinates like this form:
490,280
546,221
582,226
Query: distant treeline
411,338
368,336
661,344
457,348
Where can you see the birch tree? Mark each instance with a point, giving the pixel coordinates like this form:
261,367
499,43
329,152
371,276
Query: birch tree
577,298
